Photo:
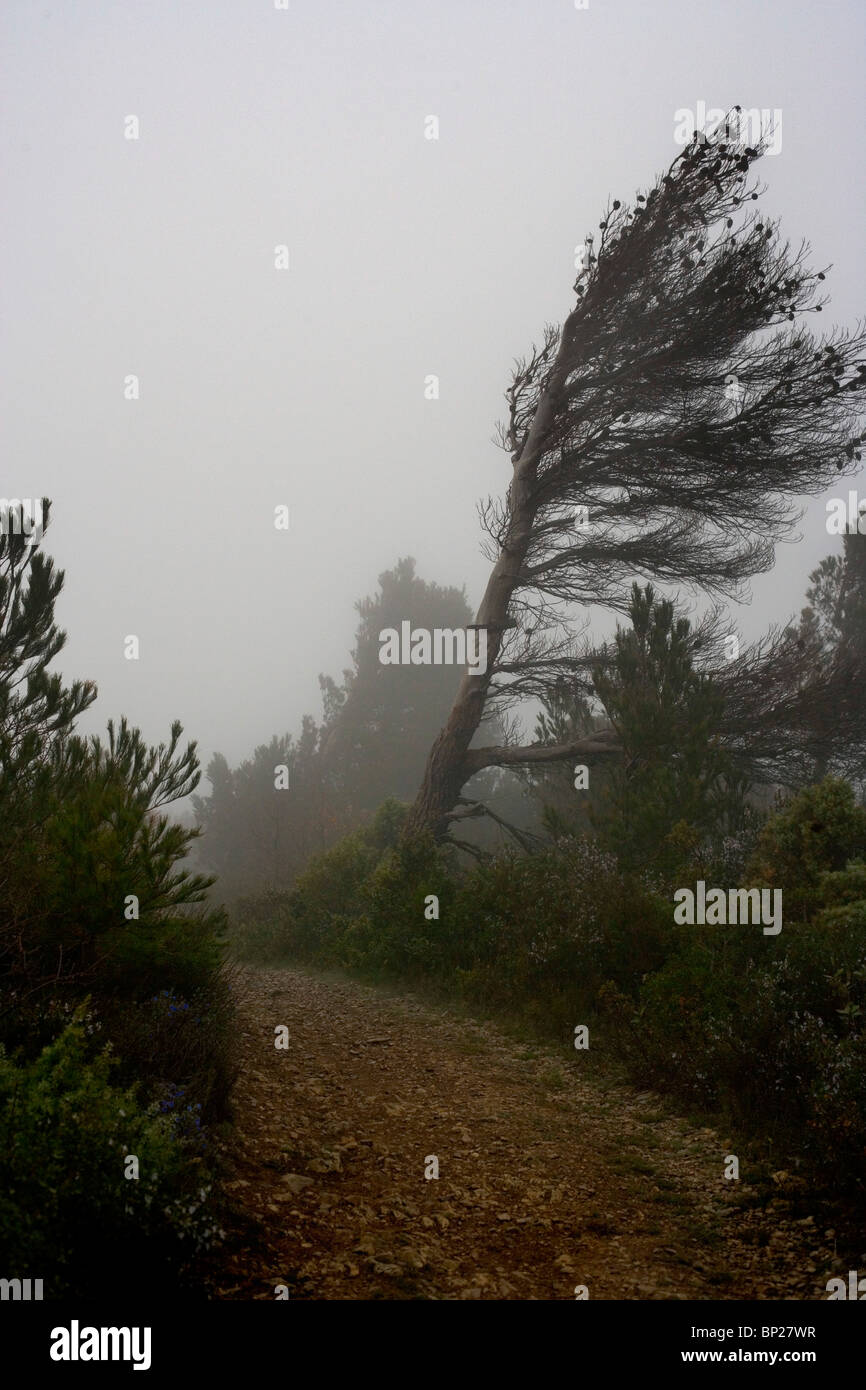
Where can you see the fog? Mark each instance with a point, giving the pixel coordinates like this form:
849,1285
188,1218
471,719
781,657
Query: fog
408,257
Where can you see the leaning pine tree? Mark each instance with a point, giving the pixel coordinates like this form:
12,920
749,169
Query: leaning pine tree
680,410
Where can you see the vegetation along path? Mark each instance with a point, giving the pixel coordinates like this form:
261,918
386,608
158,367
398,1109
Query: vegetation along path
548,1179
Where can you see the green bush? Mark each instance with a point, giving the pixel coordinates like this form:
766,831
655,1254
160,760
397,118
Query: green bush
101,844
818,832
844,887
170,1042
68,1215
514,933
395,933
768,1031
304,924
97,904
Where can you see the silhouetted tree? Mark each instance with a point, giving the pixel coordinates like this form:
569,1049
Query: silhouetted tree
264,819
379,723
836,610
670,411
832,635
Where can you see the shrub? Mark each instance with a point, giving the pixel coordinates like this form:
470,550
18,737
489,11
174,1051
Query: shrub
515,933
818,832
68,1214
97,904
169,1042
767,1030
393,933
303,924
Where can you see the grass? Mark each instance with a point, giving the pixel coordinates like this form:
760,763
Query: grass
553,1079
633,1163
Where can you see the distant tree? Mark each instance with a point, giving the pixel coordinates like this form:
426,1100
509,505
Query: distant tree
835,614
379,724
264,819
832,634
376,728
664,431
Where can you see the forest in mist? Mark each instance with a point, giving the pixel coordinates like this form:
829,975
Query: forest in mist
433,865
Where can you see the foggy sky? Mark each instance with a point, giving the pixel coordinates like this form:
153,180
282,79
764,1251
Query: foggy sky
407,257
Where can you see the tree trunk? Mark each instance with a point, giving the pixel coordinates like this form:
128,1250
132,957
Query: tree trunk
447,766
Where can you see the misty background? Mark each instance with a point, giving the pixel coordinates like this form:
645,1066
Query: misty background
408,257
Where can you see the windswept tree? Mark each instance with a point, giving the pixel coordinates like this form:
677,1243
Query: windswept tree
665,431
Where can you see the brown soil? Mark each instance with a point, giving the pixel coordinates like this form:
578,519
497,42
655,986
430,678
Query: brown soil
549,1178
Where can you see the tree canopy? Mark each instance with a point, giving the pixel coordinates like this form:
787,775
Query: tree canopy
667,430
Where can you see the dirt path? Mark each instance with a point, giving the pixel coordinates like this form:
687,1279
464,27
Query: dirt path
547,1180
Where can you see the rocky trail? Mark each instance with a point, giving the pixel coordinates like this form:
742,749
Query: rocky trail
549,1179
